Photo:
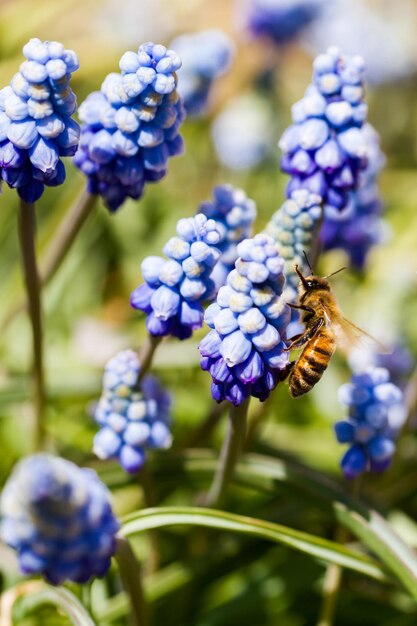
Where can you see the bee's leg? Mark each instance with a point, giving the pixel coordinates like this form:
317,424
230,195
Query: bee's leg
301,340
295,337
310,313
302,307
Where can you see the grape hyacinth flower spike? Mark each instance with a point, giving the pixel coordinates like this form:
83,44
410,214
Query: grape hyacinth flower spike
376,414
294,227
325,149
58,518
245,350
205,55
36,128
234,214
242,133
280,21
131,418
360,227
176,288
131,127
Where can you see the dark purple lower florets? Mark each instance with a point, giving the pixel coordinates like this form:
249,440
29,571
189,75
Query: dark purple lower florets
189,317
19,173
124,176
59,520
235,385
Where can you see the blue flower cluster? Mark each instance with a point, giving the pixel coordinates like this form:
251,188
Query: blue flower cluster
360,227
376,414
245,351
131,127
58,518
131,418
175,288
294,227
242,132
234,214
36,128
205,56
281,21
325,149
399,362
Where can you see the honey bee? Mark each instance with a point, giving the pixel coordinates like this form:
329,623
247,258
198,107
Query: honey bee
325,327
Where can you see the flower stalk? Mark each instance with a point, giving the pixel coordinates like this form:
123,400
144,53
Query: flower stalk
146,356
150,501
331,586
333,576
27,227
59,248
232,446
66,234
130,571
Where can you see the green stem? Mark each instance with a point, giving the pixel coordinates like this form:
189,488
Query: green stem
232,446
130,572
65,235
27,228
255,421
331,586
146,482
333,577
146,355
60,245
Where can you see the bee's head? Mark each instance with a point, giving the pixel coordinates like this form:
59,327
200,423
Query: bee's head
311,283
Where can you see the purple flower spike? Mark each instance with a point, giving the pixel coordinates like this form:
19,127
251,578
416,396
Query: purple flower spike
245,350
131,127
58,518
131,419
360,227
176,288
205,56
36,128
234,214
376,415
281,21
326,147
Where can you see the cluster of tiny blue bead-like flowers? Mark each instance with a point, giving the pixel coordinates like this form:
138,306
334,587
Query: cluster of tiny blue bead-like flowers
58,518
360,227
131,127
294,227
36,128
325,149
205,57
376,414
281,21
132,418
242,132
234,214
245,350
176,288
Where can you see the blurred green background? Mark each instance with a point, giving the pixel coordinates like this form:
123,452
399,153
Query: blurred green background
88,317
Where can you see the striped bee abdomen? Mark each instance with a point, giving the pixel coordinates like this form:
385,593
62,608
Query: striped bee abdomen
312,362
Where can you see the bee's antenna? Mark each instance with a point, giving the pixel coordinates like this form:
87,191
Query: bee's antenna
336,272
308,262
303,280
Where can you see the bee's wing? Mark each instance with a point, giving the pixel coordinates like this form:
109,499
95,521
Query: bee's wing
349,336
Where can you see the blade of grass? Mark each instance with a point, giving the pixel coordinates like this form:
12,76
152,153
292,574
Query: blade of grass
317,547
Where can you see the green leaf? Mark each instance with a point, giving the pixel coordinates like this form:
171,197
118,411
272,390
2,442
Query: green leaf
263,472
35,594
317,547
